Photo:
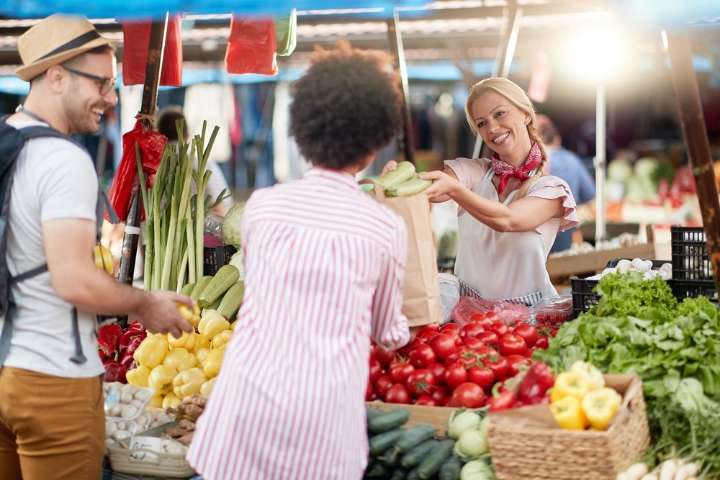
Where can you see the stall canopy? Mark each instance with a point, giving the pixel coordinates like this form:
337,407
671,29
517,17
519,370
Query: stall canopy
672,13
158,8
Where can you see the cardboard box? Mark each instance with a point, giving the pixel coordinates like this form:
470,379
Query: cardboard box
438,417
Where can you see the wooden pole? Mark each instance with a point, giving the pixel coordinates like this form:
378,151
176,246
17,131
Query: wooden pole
696,142
396,47
148,108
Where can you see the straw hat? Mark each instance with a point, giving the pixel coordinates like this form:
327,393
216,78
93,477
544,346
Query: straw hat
54,40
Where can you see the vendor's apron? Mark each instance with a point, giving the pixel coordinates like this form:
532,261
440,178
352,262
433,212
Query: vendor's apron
501,265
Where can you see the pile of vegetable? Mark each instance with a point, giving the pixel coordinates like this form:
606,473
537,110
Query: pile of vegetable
403,181
671,469
116,348
639,327
452,365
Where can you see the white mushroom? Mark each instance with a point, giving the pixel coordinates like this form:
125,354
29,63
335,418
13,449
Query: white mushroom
640,265
129,411
623,266
142,394
110,428
113,410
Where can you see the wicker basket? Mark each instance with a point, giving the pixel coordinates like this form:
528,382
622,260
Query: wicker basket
167,465
534,452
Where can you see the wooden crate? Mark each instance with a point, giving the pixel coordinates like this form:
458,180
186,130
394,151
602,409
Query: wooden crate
596,261
438,417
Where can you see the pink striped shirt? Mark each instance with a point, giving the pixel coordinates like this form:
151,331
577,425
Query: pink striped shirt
324,265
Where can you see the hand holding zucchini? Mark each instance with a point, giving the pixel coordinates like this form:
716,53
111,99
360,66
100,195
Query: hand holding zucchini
403,181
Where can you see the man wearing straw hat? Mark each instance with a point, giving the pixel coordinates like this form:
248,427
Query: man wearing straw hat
52,423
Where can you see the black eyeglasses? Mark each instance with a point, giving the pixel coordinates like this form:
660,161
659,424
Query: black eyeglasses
106,84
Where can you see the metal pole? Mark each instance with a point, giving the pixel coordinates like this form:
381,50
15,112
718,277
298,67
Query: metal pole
503,59
148,108
600,162
396,47
696,142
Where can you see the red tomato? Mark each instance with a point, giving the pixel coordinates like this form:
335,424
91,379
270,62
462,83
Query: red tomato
382,386
500,328
455,338
492,316
515,362
473,344
370,394
450,327
375,369
467,395
427,336
453,356
529,352
442,345
421,356
384,356
400,372
488,338
498,365
481,376
512,345
455,375
483,352
397,394
527,332
420,382
542,342
438,371
433,327
480,319
426,400
404,351
446,402
470,330
439,394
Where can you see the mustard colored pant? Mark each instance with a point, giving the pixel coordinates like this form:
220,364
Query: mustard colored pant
51,428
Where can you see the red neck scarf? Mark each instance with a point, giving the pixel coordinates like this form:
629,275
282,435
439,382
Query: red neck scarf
504,170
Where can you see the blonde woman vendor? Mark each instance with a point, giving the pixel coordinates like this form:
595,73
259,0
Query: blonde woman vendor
510,210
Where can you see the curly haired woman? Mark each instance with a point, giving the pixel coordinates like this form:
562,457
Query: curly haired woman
324,266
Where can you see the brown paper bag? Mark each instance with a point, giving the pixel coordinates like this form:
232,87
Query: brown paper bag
421,300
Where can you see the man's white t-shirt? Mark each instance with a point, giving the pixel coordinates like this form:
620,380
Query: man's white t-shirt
54,179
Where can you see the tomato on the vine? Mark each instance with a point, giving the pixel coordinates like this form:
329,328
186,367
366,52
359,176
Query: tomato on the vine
421,356
427,336
439,394
488,337
500,328
512,345
383,356
421,382
382,385
542,342
442,345
438,371
398,394
399,373
484,352
426,400
480,319
473,344
455,375
467,395
482,376
498,365
529,352
528,333
450,327
433,327
515,362
376,369
370,394
470,330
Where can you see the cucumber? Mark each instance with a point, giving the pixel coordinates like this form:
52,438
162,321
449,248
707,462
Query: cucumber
187,289
414,436
378,470
413,474
200,286
435,459
220,283
417,454
231,301
403,173
388,421
399,474
390,458
371,412
450,469
411,187
380,443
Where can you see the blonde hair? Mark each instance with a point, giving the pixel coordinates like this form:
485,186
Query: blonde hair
519,98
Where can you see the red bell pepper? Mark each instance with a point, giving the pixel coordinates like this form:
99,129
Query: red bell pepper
536,383
114,372
128,362
130,336
135,342
505,401
107,346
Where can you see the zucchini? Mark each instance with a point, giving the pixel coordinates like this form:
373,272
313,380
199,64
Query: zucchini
417,454
200,286
411,187
388,421
414,436
450,469
403,173
187,289
231,301
399,474
390,458
214,306
380,443
378,470
220,283
435,459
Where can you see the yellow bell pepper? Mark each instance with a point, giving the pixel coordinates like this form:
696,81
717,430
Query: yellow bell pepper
191,314
600,406
138,377
180,359
590,372
201,341
151,351
161,378
103,259
188,382
186,341
207,387
213,362
202,355
156,401
171,400
232,325
568,414
212,323
221,339
568,384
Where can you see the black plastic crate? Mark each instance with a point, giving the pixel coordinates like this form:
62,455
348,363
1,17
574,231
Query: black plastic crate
583,296
690,259
693,288
217,257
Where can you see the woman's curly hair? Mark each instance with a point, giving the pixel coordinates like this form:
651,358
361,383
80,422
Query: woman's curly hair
346,107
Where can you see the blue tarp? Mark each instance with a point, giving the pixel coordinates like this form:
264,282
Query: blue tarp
158,8
671,13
